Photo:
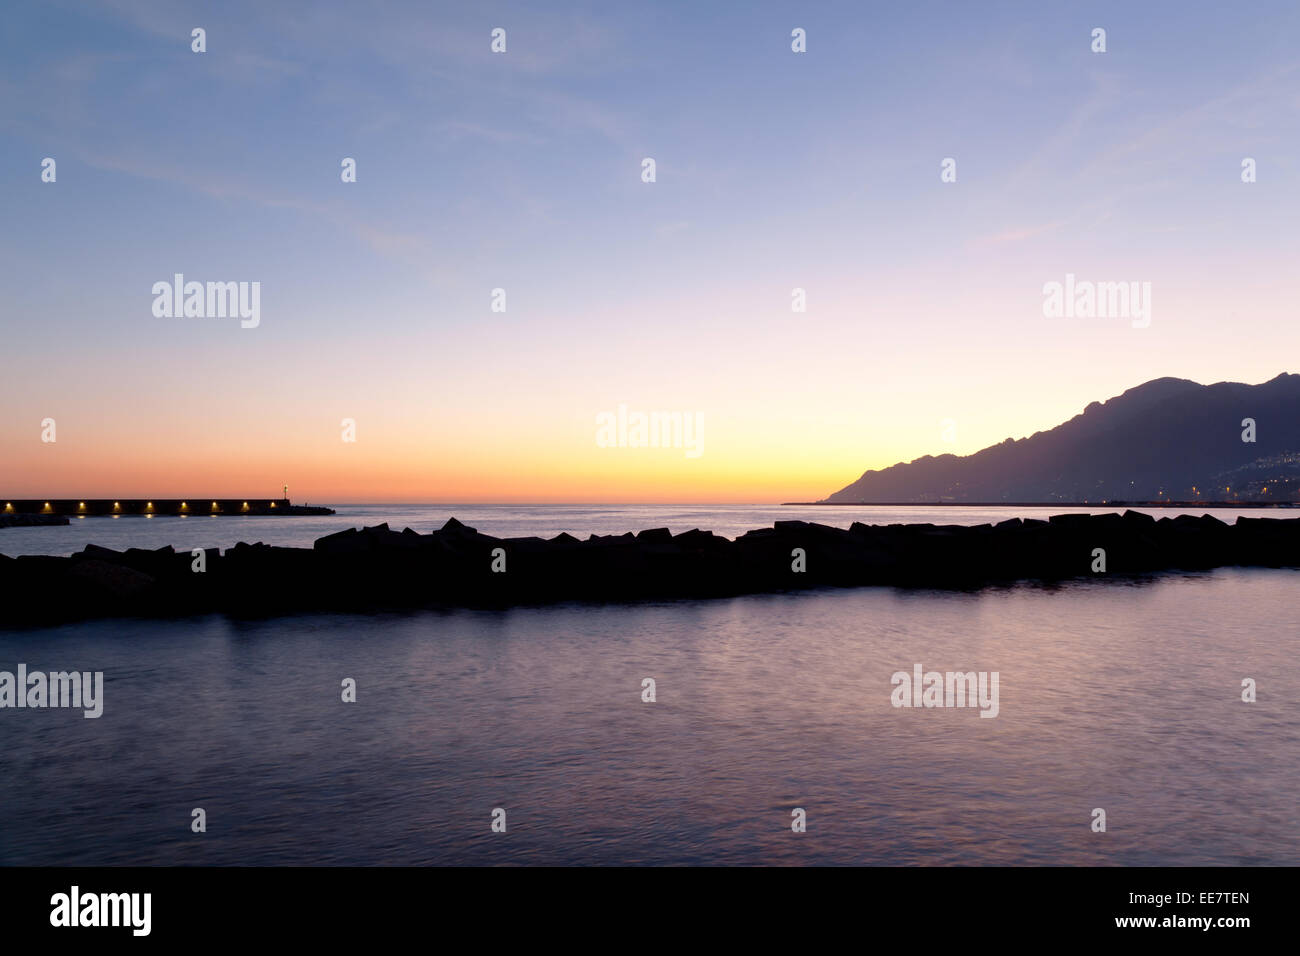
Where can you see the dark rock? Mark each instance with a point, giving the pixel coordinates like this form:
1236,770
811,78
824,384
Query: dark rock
454,526
350,541
106,580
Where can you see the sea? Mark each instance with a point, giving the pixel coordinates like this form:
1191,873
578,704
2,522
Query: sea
756,730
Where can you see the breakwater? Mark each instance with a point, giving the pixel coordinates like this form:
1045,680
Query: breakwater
145,507
377,567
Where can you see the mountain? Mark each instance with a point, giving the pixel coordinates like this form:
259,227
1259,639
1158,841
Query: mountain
1169,438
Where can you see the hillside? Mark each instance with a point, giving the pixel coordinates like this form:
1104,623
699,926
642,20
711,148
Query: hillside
1168,438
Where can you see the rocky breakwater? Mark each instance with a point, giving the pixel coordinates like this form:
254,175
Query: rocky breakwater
377,567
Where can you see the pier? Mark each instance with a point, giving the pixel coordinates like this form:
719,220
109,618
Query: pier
150,507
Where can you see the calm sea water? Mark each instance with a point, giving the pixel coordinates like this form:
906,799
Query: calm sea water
1124,696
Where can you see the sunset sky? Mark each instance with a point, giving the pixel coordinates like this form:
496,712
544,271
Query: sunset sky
522,171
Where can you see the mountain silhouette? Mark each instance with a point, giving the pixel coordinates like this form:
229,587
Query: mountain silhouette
1168,439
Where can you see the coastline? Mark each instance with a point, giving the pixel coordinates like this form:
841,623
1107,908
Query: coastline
1044,504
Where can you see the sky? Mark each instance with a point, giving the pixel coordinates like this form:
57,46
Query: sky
924,329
